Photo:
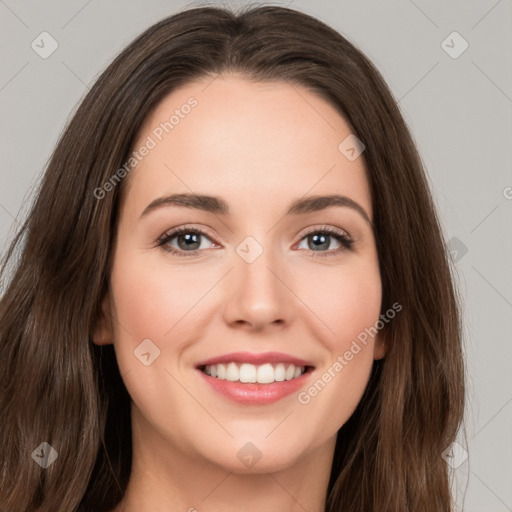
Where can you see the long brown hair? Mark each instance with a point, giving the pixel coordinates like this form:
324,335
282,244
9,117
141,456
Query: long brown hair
60,388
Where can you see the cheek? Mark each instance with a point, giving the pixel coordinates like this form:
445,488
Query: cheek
150,301
358,306
345,300
147,305
349,308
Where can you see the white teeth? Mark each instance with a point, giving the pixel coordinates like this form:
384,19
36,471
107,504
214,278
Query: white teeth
265,374
250,373
232,372
279,372
247,373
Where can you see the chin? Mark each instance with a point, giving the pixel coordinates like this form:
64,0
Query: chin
255,454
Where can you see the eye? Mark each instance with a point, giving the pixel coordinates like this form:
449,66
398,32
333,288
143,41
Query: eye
187,238
321,238
188,241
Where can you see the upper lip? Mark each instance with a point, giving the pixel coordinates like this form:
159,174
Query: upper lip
255,358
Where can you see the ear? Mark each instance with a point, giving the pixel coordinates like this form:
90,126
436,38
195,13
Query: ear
103,332
380,347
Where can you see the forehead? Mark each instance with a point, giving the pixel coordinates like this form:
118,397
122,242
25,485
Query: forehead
245,141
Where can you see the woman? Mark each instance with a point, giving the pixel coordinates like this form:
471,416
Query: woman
304,355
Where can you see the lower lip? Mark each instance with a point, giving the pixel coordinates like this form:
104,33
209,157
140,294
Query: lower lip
253,393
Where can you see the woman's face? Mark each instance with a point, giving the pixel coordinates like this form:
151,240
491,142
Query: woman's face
264,289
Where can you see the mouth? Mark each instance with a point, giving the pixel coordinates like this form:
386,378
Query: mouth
255,379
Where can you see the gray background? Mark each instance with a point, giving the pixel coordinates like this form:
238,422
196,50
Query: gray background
459,110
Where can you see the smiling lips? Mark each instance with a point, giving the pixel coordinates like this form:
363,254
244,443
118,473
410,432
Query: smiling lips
255,378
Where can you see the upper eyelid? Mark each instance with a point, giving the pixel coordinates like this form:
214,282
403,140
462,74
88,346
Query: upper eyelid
325,227
174,231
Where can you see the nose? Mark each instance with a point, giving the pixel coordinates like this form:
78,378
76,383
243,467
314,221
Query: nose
258,293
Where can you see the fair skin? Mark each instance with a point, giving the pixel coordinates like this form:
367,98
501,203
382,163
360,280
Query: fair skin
259,147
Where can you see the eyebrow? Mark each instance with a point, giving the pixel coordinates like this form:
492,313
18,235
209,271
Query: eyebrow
216,205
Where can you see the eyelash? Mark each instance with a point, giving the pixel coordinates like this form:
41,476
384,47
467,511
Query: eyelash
339,235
